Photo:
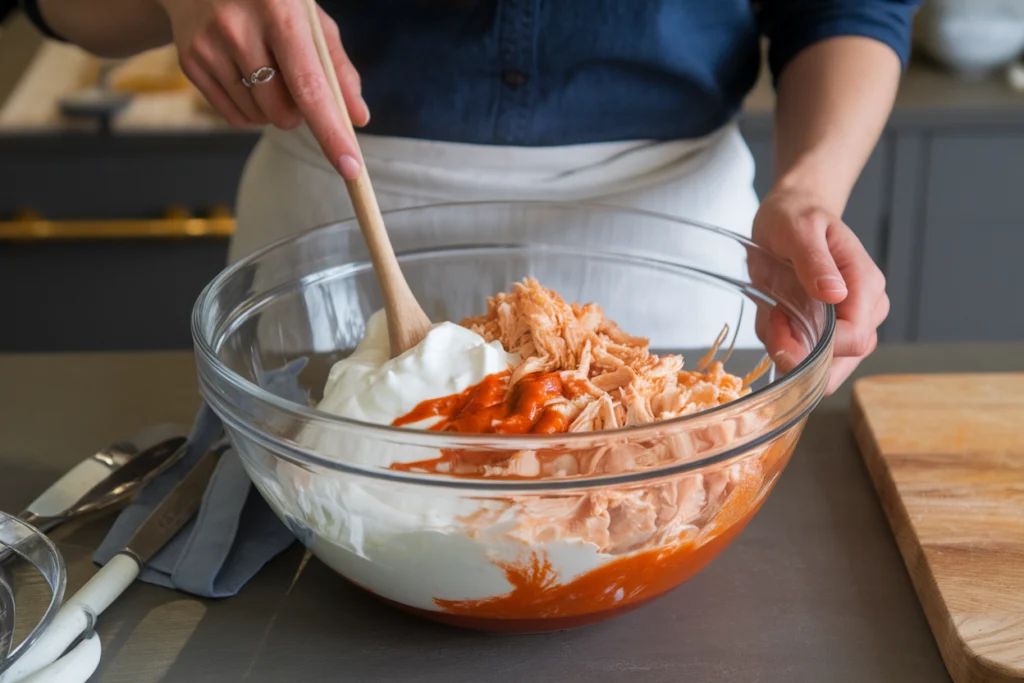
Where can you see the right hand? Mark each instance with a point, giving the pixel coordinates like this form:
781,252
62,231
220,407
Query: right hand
831,266
221,41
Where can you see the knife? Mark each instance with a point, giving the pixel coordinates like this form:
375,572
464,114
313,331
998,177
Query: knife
97,483
107,477
78,614
119,471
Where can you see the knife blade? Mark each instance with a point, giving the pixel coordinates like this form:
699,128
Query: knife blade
175,510
106,477
133,475
78,614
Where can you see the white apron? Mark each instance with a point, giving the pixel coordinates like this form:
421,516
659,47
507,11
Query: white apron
288,186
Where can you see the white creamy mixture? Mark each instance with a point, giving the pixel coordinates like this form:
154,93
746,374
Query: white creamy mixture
406,542
371,387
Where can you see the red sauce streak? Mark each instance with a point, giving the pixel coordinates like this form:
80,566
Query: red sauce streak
491,408
537,593
538,603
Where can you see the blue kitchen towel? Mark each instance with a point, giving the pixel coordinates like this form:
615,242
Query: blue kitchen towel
234,533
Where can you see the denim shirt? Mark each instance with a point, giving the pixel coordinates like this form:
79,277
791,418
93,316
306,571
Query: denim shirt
559,72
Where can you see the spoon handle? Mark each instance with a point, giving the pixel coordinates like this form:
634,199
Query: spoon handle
407,323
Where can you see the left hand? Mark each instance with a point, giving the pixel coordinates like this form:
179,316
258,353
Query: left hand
833,267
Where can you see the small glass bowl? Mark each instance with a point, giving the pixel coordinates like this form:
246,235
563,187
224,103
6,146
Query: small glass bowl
32,584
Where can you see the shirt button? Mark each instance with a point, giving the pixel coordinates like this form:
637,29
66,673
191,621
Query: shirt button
513,78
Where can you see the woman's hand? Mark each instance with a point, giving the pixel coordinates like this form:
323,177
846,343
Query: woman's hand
833,267
220,42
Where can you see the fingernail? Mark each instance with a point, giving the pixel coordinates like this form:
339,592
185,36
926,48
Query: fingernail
349,167
780,357
830,283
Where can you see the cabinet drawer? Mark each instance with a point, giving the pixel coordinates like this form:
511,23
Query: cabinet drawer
976,177
103,294
973,239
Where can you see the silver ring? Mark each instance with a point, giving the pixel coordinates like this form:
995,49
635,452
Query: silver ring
260,76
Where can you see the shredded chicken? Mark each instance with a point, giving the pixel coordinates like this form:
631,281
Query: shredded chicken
618,382
625,383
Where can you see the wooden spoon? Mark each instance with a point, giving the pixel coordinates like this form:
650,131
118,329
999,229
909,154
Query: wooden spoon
407,323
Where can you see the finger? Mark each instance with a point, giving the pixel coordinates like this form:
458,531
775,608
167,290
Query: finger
292,44
212,56
854,340
348,77
245,43
805,243
856,330
784,345
215,94
272,97
882,310
840,371
764,269
760,278
761,324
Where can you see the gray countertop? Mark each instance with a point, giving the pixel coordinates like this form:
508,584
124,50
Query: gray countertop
813,590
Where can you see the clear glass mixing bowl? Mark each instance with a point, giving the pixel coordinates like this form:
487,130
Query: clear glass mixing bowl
656,503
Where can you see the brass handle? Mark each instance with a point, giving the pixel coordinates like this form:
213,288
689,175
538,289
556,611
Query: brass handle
177,224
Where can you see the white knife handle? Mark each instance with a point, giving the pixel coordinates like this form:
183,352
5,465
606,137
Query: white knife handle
69,623
76,666
76,616
106,585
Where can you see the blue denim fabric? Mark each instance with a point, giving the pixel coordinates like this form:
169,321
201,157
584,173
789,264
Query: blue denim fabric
556,72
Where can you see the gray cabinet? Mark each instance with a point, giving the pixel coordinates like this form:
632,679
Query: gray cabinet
868,210
103,295
110,293
940,204
956,232
971,284
940,207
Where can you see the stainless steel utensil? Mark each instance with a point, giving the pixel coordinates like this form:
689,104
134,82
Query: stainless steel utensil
72,629
107,477
96,483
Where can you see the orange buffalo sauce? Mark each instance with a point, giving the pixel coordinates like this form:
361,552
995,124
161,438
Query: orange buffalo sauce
635,578
489,407
539,601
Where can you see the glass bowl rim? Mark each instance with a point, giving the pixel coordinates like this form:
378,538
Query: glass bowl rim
207,355
57,591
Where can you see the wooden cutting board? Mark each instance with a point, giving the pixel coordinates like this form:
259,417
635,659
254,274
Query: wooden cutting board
946,453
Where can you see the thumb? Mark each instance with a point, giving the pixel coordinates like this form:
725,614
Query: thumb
814,264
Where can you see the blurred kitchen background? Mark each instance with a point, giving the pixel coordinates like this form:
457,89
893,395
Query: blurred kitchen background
115,210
